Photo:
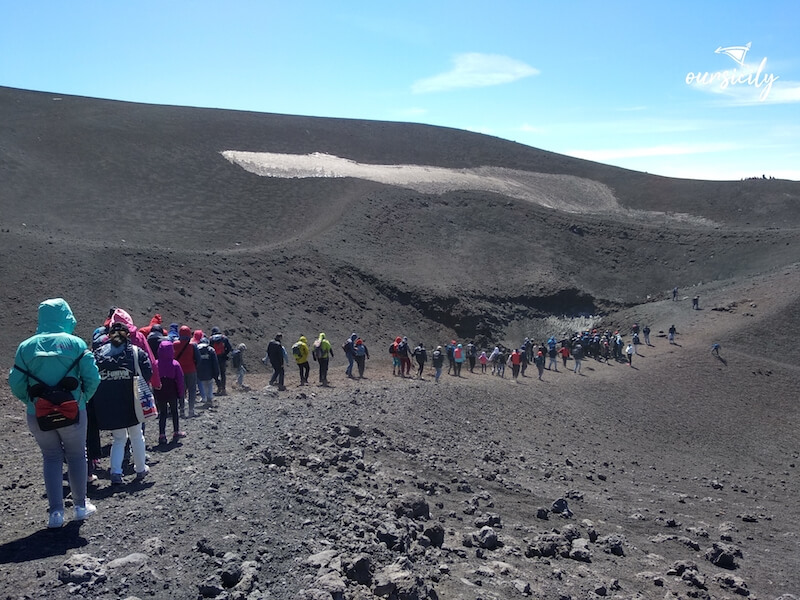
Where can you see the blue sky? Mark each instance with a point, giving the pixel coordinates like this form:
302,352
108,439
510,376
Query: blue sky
600,80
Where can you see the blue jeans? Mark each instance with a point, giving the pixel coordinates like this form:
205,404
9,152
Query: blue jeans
350,360
65,443
190,383
207,390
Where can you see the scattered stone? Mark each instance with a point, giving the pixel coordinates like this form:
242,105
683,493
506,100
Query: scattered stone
679,566
210,588
322,559
542,513
333,584
130,562
413,506
398,581
231,574
553,545
485,538
723,555
613,544
733,583
560,507
748,518
82,568
358,568
154,545
580,550
489,520
523,587
435,533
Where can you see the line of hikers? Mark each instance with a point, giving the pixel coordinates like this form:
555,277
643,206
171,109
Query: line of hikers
72,393
580,345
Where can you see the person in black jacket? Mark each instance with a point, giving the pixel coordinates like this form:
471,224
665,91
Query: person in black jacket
119,362
207,370
437,360
422,356
276,356
222,348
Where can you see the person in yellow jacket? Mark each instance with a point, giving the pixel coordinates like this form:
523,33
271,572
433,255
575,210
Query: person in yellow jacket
322,353
300,353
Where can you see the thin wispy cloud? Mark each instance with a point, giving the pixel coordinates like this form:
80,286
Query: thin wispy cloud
528,128
473,70
603,155
412,112
783,92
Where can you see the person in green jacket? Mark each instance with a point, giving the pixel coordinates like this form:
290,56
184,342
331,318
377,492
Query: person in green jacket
323,353
52,354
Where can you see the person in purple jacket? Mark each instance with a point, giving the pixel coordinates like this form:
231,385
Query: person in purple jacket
172,388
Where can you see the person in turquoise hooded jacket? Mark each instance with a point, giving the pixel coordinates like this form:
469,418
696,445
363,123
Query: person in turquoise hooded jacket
48,355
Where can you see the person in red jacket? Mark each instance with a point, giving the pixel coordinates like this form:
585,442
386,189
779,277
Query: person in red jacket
187,356
564,352
156,320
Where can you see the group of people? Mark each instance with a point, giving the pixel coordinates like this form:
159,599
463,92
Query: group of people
320,351
73,392
545,355
105,386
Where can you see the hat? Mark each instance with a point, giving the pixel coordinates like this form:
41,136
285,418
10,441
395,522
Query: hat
214,330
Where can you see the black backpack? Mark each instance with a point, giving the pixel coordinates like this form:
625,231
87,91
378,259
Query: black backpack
55,405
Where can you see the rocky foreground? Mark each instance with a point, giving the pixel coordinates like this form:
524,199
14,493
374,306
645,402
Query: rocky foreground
387,488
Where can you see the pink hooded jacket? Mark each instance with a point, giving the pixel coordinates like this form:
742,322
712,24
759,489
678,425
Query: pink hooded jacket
169,367
138,339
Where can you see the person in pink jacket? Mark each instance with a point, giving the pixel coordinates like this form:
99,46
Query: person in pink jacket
172,388
137,339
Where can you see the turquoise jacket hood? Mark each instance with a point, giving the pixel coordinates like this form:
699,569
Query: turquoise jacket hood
55,316
50,353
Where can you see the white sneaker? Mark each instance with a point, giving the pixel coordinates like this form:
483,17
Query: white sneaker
85,511
56,519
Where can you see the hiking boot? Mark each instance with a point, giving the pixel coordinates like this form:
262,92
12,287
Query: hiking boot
192,413
162,439
116,479
56,519
178,435
142,474
281,388
85,511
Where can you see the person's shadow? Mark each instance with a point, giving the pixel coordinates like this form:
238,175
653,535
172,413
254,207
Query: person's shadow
722,360
43,544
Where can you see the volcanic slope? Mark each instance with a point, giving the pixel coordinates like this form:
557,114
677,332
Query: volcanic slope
680,471
147,201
